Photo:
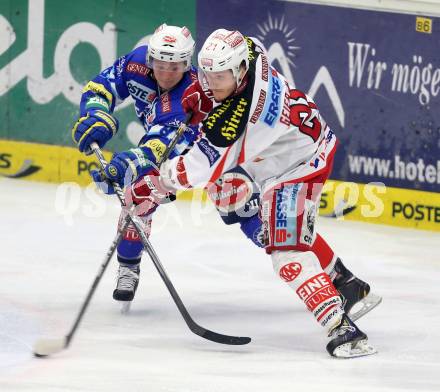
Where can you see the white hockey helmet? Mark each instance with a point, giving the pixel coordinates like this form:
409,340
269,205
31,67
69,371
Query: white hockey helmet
224,50
171,44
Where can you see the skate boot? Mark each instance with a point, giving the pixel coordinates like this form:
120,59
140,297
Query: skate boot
128,279
348,341
356,297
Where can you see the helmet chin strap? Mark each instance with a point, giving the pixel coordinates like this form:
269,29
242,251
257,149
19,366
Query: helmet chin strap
239,77
240,80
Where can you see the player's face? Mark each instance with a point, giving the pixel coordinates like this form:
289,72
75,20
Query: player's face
222,84
168,74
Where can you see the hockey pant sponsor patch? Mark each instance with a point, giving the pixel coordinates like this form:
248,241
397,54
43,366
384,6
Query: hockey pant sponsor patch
288,213
289,209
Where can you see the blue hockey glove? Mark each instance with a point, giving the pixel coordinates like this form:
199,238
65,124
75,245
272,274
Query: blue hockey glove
96,126
187,140
102,182
127,166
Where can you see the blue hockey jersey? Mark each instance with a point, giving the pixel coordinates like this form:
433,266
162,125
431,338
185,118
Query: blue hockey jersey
130,76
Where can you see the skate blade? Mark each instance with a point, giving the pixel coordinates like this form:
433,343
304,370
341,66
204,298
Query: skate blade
350,350
125,308
364,306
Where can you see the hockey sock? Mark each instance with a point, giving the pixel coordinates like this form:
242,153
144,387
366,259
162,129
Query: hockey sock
325,254
303,273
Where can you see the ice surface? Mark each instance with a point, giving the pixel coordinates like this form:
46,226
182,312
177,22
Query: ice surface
48,262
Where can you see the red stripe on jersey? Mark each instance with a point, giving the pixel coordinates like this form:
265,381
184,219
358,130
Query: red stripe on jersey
241,157
219,169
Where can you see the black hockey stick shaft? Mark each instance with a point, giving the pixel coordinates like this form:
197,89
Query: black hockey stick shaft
44,347
96,281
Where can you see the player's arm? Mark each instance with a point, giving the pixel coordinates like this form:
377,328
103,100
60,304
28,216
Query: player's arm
127,166
194,169
100,96
203,164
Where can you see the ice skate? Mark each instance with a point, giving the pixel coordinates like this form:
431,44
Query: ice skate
128,279
355,293
348,341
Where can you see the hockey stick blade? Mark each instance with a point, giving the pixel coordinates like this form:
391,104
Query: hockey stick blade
45,347
225,339
217,337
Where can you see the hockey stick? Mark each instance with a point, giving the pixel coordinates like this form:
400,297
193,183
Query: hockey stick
193,326
45,347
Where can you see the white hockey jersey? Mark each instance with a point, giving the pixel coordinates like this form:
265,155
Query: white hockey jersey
273,131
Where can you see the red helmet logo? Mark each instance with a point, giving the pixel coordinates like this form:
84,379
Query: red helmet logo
206,62
169,38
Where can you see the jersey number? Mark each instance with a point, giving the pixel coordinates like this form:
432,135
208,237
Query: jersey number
304,117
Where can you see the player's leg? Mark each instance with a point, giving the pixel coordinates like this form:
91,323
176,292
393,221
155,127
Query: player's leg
288,212
129,253
355,293
236,197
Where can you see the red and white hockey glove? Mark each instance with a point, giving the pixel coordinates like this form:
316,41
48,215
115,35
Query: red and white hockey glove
196,101
147,193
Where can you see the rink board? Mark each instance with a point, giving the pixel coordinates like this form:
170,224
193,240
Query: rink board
373,203
48,163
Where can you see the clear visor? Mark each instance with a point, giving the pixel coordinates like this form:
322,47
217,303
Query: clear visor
167,66
223,80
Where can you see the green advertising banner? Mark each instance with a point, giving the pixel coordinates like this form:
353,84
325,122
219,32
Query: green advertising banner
49,50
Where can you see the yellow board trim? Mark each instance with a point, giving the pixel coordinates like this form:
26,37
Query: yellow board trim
372,203
47,163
